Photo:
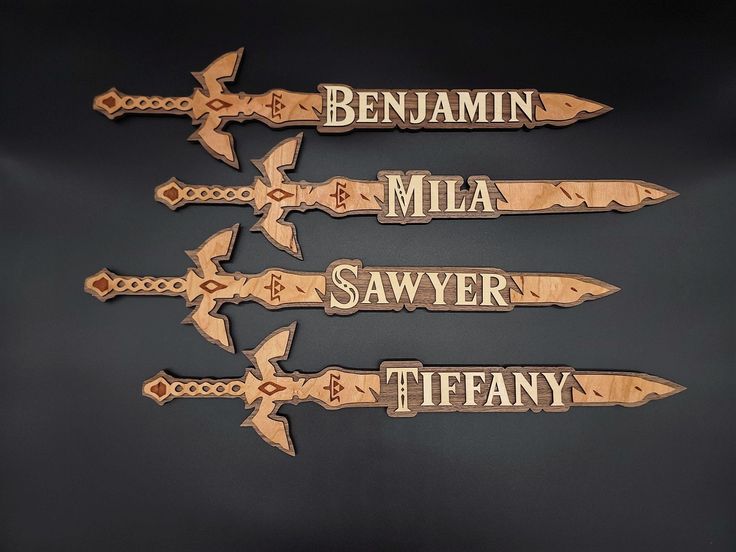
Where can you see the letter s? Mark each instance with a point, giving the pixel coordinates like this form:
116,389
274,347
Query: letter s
344,285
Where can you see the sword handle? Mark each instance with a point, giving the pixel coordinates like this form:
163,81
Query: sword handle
115,104
105,285
175,194
164,387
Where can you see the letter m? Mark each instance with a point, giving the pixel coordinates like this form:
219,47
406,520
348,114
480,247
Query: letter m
404,196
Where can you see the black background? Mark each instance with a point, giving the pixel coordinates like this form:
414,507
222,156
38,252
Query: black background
89,464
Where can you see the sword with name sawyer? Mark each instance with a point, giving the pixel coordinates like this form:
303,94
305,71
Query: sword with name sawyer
403,198
340,108
405,388
344,288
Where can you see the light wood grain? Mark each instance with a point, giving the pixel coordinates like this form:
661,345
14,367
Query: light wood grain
340,108
402,198
405,388
343,288
265,387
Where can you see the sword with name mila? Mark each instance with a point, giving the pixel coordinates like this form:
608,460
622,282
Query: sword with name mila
344,288
211,106
405,388
274,196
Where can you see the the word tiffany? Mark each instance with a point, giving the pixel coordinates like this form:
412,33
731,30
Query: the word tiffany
405,388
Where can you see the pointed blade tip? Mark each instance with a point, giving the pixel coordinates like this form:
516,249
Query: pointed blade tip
612,289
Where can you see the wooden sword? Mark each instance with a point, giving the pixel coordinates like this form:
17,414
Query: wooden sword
343,288
405,388
397,197
340,108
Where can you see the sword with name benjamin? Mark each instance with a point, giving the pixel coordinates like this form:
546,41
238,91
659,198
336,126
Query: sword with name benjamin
403,198
340,108
405,388
343,288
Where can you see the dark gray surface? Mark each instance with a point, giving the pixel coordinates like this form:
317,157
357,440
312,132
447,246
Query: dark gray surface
89,464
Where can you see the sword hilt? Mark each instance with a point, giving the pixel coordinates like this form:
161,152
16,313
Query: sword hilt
114,103
264,387
105,285
175,194
164,387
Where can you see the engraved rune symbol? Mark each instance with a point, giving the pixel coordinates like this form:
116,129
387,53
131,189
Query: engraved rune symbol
276,105
334,387
275,287
340,195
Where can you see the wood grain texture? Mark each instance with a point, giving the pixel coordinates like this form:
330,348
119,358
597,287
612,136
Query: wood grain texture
396,197
344,288
265,387
405,388
341,108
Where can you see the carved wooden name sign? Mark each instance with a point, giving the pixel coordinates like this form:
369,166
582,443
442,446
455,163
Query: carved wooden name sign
404,197
340,108
344,288
406,388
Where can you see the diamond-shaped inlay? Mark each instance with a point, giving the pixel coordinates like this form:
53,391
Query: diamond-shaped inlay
277,194
102,284
269,388
210,286
159,389
172,193
217,104
110,101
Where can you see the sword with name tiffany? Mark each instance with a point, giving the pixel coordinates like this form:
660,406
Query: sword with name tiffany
403,198
405,388
343,288
340,108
